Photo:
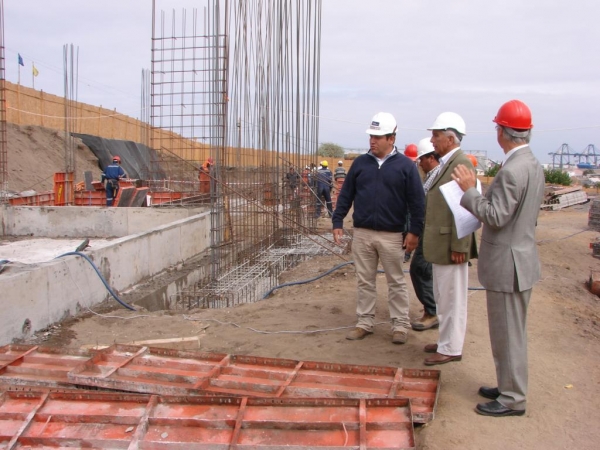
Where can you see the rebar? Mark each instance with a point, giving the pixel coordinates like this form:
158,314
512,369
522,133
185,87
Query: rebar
3,131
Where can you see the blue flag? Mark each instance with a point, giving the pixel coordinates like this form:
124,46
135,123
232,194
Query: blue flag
20,60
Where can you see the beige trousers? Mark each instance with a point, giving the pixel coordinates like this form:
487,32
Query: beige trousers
369,248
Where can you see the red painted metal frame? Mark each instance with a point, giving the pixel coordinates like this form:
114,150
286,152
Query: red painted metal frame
173,372
130,421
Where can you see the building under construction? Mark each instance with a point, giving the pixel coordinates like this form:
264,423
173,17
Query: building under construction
231,105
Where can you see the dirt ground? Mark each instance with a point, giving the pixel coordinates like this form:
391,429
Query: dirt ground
564,348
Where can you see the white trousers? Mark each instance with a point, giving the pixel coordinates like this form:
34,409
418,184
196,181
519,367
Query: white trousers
450,284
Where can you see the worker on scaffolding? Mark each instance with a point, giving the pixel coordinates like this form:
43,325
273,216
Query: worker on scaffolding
112,174
205,176
324,183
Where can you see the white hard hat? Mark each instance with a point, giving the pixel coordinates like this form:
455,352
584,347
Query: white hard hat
448,120
340,162
382,124
424,147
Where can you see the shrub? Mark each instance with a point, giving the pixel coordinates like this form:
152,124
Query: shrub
557,176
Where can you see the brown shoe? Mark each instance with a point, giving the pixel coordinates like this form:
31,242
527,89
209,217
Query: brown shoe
430,348
399,337
358,333
425,323
438,358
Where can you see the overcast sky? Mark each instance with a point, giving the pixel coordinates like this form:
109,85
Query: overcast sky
413,58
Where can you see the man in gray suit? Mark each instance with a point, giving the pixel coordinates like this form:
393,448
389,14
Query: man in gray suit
508,261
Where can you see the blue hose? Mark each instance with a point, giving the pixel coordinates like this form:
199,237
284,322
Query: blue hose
310,280
86,257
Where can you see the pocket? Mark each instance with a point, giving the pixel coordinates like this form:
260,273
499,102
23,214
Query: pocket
445,230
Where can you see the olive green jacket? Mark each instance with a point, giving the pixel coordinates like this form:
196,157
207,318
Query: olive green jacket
439,236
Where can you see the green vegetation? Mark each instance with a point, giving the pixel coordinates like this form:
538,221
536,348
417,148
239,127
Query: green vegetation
557,176
330,150
492,171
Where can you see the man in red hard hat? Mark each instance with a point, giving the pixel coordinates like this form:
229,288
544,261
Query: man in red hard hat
508,261
112,174
204,176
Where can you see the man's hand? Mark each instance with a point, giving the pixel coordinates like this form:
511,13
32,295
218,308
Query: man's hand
410,242
458,258
464,177
337,235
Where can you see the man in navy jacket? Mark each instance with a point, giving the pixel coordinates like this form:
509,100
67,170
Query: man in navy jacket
383,185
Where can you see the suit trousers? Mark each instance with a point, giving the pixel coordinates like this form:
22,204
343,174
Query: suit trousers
450,284
369,247
507,317
421,275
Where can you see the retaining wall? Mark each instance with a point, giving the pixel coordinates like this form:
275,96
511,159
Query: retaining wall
85,222
37,295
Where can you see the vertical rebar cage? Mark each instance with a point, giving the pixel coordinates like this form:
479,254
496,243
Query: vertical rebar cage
239,84
3,132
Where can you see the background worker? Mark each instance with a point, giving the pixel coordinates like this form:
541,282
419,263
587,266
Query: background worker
410,151
324,185
205,176
293,181
112,174
383,185
509,263
448,254
421,272
339,175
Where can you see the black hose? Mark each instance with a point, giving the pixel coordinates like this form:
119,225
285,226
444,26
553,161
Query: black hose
310,280
108,288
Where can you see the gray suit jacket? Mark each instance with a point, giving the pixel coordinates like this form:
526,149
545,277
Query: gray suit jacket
439,235
508,259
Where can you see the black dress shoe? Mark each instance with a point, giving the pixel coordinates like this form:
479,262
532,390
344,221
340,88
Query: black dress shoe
488,392
497,409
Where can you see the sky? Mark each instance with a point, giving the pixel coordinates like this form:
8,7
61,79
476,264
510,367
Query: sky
412,58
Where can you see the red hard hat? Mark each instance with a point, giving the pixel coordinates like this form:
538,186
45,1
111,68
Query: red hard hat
473,159
210,161
514,114
117,158
411,151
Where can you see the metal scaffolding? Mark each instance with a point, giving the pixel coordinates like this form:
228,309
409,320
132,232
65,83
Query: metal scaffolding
3,132
238,88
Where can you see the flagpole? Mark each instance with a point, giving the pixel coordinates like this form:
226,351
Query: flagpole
33,74
19,79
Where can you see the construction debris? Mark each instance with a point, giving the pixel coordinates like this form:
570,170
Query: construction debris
559,198
594,215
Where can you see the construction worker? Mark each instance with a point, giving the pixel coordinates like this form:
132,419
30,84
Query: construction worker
410,151
339,175
421,272
324,180
112,174
205,176
293,181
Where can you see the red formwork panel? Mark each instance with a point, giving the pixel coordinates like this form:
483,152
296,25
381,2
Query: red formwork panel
174,372
56,420
39,366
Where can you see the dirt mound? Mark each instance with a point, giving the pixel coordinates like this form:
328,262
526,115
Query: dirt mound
36,153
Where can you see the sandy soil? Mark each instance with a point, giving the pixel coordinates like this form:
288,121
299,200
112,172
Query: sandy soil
564,332
36,153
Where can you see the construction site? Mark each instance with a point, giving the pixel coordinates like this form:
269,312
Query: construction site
207,308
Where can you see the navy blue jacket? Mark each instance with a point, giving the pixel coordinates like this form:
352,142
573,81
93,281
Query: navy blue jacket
323,179
113,172
382,196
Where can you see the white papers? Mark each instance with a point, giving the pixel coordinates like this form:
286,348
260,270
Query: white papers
466,223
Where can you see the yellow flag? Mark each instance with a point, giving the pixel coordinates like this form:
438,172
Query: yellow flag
34,70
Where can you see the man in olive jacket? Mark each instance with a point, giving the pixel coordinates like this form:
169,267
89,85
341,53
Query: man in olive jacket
441,247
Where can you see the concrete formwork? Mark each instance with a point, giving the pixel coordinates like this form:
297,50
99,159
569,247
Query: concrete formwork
36,295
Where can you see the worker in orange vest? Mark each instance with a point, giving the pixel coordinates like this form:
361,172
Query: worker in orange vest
205,176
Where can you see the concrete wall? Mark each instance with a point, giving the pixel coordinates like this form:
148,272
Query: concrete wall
36,295
85,221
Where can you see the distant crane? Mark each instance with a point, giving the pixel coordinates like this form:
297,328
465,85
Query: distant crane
591,156
564,154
